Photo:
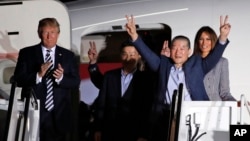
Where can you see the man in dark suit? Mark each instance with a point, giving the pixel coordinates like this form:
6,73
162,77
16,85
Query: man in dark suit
52,72
176,69
124,100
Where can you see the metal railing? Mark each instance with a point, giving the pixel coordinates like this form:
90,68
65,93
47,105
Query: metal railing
175,114
243,103
29,101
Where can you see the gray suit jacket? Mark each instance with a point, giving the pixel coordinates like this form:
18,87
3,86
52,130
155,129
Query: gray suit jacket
217,82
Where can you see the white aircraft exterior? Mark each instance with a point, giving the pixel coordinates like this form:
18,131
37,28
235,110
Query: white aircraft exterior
184,17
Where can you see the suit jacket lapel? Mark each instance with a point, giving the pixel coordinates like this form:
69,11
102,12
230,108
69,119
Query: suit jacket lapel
118,81
39,54
58,57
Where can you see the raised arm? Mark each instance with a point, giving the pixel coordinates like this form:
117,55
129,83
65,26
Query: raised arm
148,55
131,28
213,58
225,28
165,49
92,53
95,74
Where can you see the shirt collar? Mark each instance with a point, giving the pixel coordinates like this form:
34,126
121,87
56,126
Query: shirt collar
173,68
123,74
52,49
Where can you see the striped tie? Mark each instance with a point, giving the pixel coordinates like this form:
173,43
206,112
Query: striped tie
49,82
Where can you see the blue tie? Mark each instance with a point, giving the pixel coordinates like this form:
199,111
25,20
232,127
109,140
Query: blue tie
49,103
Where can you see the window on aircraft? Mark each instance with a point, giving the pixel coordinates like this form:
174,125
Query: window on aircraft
108,41
7,74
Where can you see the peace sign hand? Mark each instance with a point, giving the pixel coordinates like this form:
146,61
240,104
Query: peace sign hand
92,53
131,28
165,49
225,28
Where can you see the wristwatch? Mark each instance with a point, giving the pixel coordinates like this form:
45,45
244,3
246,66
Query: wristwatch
92,68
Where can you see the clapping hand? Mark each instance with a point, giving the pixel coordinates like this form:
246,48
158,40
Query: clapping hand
58,73
43,69
224,28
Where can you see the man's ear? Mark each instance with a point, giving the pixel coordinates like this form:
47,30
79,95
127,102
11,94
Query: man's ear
39,36
190,52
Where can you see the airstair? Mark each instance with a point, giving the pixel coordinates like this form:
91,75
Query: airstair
20,117
204,120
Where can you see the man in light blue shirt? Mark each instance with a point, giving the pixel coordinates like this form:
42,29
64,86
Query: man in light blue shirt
192,71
